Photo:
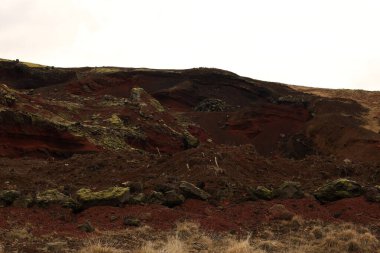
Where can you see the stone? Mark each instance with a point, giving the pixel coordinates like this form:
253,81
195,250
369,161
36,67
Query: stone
164,187
131,221
156,197
7,197
139,95
113,196
23,201
173,198
280,212
338,189
189,141
86,227
138,198
192,191
372,194
53,197
261,192
6,96
211,105
289,190
134,187
113,218
57,247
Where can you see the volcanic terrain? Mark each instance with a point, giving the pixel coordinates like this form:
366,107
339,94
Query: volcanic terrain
81,149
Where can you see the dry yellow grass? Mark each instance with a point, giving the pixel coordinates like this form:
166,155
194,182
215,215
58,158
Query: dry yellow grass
241,246
295,236
99,248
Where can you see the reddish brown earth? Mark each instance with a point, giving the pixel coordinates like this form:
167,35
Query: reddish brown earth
248,216
88,127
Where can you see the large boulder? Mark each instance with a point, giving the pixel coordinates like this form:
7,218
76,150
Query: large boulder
289,190
114,196
191,191
338,189
53,197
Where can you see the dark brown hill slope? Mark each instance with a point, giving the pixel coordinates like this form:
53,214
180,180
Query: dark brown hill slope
90,109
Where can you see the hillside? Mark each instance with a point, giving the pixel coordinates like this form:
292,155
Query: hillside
85,144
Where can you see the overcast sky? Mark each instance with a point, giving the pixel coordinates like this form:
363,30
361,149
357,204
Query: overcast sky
324,43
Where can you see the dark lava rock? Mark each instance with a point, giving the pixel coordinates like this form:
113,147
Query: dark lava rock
86,227
372,194
261,192
211,105
191,190
131,221
7,197
173,198
289,190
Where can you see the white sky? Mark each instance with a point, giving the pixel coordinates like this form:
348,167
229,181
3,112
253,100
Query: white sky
322,43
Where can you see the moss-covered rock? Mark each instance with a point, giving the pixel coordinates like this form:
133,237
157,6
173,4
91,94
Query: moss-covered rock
289,190
338,189
7,197
114,196
261,192
53,197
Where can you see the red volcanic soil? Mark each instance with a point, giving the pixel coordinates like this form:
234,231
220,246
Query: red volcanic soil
248,216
